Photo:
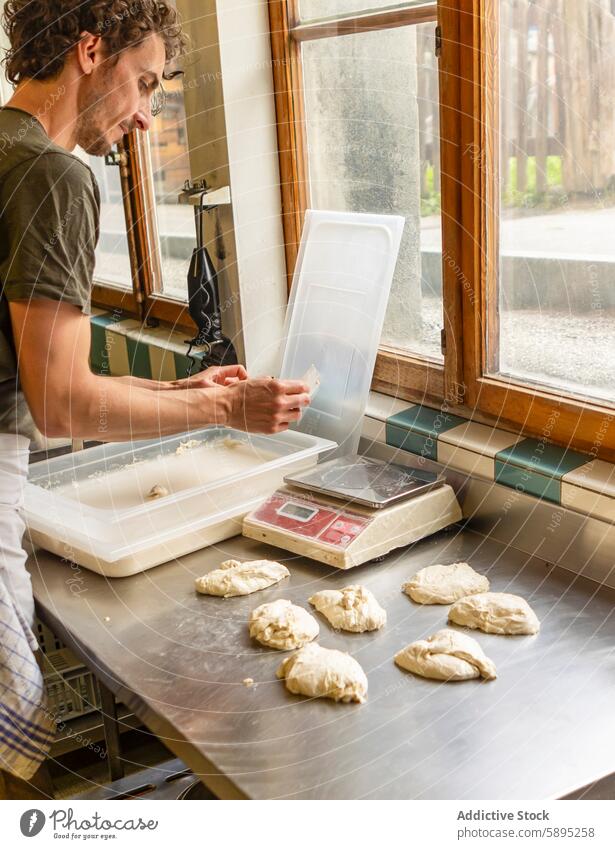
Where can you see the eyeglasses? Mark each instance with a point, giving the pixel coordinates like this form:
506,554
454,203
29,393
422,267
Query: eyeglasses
158,100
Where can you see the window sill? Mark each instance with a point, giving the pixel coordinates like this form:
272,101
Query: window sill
531,466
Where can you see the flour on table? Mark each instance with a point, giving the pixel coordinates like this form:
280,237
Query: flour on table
282,625
353,608
445,583
158,491
446,656
236,578
324,673
495,613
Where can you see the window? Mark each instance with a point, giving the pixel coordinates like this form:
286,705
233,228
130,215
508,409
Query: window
508,187
372,127
554,322
161,232
363,91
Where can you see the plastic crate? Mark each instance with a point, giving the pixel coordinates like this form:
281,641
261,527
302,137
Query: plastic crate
47,640
71,688
72,693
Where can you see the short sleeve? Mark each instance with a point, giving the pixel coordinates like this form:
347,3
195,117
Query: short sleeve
50,218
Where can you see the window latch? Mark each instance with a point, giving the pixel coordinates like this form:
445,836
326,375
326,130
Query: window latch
443,341
114,157
438,41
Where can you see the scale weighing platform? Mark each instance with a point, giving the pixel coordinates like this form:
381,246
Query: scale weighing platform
353,509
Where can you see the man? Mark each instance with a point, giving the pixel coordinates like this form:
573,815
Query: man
85,72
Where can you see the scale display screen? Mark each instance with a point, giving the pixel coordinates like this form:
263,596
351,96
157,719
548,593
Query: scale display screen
366,481
297,511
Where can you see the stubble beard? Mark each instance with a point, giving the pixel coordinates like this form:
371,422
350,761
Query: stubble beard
91,124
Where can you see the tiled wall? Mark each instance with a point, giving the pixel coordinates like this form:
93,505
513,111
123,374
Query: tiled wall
532,466
124,346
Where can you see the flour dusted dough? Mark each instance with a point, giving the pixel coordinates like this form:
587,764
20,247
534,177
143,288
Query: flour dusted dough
324,673
352,609
235,578
158,491
495,613
282,625
443,584
446,656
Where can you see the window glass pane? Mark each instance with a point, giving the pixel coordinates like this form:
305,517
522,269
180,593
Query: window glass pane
310,9
112,258
556,316
371,104
170,169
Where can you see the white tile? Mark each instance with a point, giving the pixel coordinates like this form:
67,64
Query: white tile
162,363
373,429
462,460
479,438
597,475
118,353
586,501
380,406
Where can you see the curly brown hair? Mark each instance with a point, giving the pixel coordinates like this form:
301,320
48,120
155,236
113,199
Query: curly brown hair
42,32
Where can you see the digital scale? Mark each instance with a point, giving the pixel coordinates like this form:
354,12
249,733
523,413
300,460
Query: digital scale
352,509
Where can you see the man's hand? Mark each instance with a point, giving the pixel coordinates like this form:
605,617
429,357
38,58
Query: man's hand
213,376
266,405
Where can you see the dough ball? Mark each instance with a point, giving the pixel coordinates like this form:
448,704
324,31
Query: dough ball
235,578
282,625
495,613
158,491
446,656
443,584
324,673
352,609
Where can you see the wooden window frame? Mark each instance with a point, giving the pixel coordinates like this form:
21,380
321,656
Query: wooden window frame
414,378
144,301
468,162
534,410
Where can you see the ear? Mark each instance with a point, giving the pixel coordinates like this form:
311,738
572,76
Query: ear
90,52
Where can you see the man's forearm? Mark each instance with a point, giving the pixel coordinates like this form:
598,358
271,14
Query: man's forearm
114,410
142,382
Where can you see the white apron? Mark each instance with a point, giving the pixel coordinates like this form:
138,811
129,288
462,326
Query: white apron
26,724
14,451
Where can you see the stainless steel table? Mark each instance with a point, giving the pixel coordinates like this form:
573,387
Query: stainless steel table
542,729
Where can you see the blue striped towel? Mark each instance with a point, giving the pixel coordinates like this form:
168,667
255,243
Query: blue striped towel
26,724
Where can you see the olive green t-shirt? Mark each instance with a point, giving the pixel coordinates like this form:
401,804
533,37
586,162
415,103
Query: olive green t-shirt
49,220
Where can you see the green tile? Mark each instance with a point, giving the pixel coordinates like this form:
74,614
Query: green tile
528,481
138,358
409,440
99,355
550,460
417,428
181,365
426,420
536,467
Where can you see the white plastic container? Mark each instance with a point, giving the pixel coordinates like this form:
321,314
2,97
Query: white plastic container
92,507
335,315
